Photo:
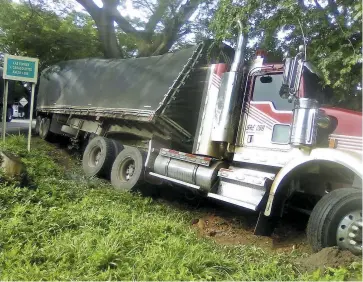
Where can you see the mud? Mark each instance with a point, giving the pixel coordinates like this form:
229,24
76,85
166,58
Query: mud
328,257
238,229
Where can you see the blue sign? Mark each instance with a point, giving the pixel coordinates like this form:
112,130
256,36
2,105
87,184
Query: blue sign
20,68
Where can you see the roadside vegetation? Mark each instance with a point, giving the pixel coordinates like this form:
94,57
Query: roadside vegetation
61,226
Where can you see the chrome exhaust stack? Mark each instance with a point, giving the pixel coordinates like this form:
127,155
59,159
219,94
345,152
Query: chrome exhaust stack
225,119
238,61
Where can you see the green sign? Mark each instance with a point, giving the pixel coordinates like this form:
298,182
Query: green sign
20,68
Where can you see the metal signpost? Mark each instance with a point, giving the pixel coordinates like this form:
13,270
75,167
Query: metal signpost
20,69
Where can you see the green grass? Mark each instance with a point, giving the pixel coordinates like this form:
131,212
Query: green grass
70,228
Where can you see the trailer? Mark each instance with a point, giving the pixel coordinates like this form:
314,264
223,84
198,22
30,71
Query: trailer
256,136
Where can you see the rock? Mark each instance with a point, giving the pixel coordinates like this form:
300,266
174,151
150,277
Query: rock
11,165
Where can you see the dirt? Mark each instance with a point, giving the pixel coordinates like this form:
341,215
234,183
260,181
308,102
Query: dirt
65,158
328,257
238,229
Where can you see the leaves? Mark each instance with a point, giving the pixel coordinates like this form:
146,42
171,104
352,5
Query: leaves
36,32
332,31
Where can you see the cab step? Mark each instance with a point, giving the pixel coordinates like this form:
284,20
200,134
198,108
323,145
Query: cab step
242,187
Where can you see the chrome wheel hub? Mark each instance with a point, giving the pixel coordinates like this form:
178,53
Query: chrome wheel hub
349,233
130,171
97,158
127,169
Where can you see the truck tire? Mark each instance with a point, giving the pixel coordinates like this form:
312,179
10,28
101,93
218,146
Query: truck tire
44,129
98,157
336,220
128,169
37,125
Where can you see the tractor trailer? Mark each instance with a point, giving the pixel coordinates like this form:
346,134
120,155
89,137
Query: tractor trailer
256,136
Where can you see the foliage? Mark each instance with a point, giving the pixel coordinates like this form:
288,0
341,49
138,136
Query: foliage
69,228
33,31
154,30
332,30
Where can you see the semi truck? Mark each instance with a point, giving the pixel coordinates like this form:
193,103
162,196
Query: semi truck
255,136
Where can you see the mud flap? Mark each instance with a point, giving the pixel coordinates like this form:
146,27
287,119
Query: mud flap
265,225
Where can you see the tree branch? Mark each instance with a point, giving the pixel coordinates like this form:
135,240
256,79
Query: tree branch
186,10
91,8
173,26
110,6
144,4
156,16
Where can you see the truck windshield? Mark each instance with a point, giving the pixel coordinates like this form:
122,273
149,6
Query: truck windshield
268,90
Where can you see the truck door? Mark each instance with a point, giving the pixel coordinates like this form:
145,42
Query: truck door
269,116
265,126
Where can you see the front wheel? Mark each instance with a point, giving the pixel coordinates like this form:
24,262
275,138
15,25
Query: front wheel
336,220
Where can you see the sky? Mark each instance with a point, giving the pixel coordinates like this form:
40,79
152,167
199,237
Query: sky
129,11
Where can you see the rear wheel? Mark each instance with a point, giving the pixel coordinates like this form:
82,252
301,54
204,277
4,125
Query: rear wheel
37,125
44,129
336,220
99,156
127,172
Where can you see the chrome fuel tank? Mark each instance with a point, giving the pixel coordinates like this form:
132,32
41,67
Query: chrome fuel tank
202,176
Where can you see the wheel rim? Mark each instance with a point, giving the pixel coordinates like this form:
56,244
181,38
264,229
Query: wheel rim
126,169
95,156
349,233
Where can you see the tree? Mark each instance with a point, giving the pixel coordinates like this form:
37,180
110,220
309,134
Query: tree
30,30
168,21
332,30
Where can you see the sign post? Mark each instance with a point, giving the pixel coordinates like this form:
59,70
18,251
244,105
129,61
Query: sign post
5,107
21,69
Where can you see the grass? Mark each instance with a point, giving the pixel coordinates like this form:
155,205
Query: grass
65,227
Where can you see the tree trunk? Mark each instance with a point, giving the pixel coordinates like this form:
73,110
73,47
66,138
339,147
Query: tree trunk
107,34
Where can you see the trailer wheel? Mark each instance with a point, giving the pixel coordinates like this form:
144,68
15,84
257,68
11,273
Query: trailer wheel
44,129
98,157
37,125
128,169
336,220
